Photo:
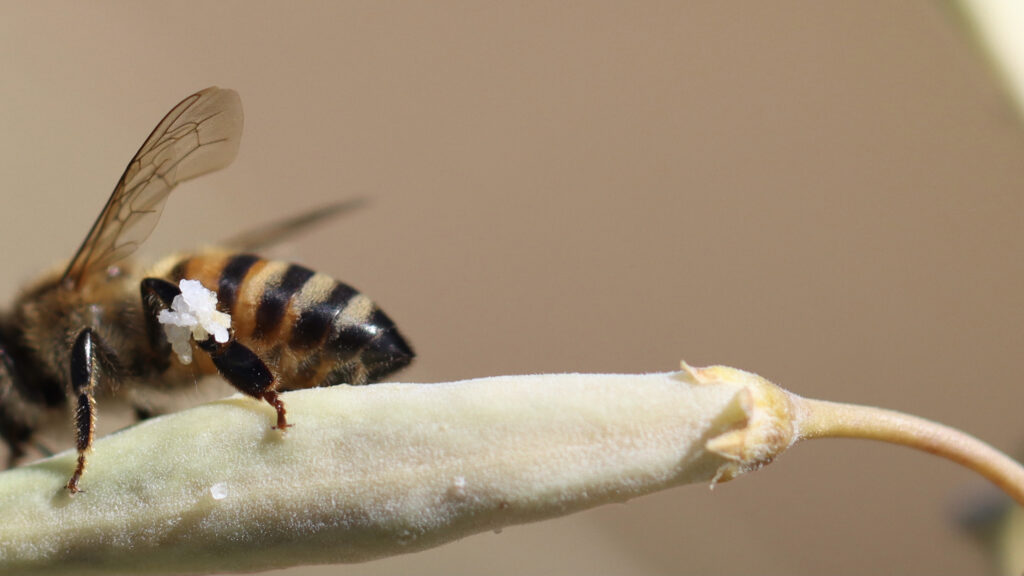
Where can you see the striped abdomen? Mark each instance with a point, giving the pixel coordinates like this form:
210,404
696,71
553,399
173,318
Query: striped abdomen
309,328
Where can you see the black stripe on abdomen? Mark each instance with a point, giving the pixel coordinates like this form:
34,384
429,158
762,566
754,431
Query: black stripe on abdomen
315,321
356,336
231,278
275,298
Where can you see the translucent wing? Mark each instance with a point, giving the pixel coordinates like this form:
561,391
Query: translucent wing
199,135
276,232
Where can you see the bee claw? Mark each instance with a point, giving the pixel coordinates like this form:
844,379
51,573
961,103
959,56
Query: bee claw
274,400
72,485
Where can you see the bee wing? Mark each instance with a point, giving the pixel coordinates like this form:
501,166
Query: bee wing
199,135
278,231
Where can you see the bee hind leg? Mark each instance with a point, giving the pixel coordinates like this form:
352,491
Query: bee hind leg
244,370
239,365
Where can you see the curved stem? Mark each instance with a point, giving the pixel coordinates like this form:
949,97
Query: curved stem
823,419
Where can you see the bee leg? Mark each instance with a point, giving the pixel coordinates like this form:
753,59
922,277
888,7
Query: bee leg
244,370
239,365
14,432
143,412
86,368
15,436
157,295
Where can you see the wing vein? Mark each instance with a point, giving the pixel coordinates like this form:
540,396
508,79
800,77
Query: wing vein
199,135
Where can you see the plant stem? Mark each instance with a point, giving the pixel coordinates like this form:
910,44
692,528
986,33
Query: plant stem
823,419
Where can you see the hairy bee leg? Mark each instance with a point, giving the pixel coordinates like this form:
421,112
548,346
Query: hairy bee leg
157,295
85,374
142,413
244,370
14,432
239,365
15,436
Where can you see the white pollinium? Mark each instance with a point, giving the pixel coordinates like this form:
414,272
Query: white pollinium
193,316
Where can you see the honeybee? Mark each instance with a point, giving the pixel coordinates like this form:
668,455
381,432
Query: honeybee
84,331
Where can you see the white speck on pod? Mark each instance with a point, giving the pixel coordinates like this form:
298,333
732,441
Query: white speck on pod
219,491
457,489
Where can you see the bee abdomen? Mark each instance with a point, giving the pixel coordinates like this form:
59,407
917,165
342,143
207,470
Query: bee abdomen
317,327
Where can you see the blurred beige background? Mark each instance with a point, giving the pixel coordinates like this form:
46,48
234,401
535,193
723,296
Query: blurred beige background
824,193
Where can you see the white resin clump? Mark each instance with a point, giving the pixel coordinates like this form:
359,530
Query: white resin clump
193,314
